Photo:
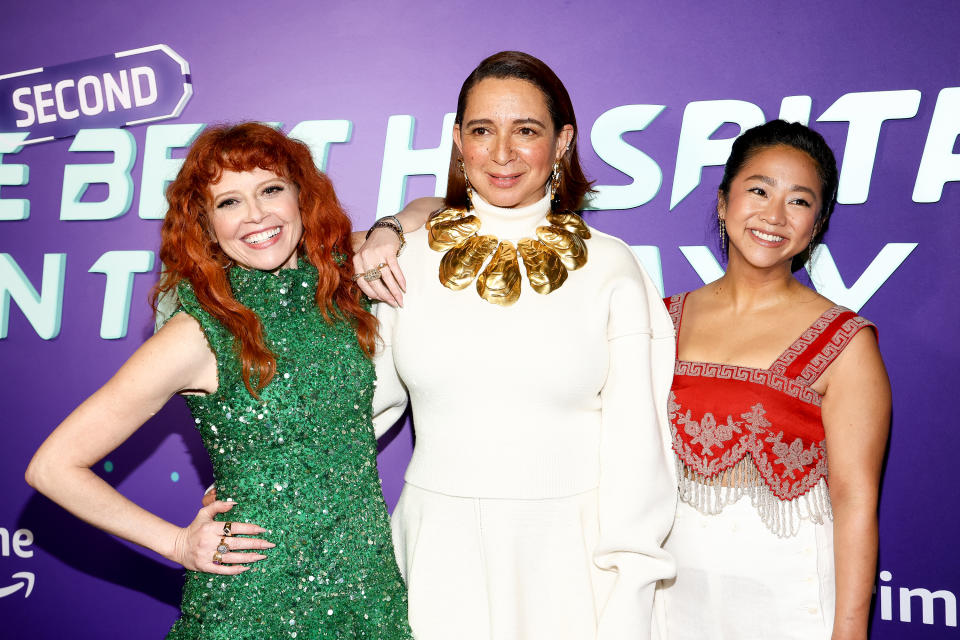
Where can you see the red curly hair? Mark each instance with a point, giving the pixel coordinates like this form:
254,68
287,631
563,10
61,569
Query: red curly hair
189,251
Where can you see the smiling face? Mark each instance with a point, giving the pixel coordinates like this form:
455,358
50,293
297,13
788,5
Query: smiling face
771,209
255,218
508,141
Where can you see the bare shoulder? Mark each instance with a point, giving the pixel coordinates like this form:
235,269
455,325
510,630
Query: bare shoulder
699,294
182,328
858,366
862,350
179,352
702,301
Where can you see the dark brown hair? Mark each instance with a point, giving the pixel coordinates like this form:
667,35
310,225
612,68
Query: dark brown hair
516,64
779,133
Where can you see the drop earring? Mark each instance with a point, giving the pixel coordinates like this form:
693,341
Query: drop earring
555,181
466,182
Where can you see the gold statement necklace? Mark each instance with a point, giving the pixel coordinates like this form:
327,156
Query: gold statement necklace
559,248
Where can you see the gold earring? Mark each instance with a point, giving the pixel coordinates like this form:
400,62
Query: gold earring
723,235
466,182
555,181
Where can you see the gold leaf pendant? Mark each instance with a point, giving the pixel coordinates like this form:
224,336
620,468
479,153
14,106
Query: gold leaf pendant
449,233
461,264
500,281
560,248
442,215
545,270
569,221
569,246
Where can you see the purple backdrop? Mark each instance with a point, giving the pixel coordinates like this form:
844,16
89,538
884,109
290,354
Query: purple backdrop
357,65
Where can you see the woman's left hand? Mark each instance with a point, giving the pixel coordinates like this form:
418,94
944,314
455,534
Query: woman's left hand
198,545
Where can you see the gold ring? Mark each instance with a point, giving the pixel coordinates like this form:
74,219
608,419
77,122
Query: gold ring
226,528
372,274
222,547
356,277
217,557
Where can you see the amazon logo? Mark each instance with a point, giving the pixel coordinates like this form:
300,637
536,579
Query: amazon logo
21,578
18,543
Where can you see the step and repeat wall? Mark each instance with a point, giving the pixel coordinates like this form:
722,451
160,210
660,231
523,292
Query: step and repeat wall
100,102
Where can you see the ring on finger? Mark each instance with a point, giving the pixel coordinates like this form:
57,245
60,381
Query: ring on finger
370,274
226,528
217,557
222,547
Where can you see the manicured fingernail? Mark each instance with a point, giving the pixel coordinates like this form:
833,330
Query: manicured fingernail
270,545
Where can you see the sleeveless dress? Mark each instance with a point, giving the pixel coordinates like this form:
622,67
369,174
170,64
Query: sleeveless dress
300,462
753,535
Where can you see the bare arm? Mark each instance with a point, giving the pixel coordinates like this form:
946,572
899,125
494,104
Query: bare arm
856,416
175,359
381,249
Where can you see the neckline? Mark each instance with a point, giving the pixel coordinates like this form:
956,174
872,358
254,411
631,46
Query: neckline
772,367
510,223
259,290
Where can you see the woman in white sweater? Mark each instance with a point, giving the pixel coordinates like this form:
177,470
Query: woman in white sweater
540,488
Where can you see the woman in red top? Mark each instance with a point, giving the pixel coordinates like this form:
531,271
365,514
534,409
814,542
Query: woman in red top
773,537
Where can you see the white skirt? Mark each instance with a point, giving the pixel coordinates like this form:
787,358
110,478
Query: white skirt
736,580
495,569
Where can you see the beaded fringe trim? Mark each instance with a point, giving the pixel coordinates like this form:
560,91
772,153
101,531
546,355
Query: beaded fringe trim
709,495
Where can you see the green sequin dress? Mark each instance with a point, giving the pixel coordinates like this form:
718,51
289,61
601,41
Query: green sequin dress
300,462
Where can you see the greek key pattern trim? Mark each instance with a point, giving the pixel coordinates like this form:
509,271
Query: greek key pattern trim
675,308
806,338
838,341
764,377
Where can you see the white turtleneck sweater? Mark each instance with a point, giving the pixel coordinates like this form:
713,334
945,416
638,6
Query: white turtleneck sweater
553,396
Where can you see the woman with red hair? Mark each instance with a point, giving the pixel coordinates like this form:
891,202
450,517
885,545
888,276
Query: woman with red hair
271,348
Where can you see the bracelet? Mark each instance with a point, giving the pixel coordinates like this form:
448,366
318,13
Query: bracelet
387,221
390,222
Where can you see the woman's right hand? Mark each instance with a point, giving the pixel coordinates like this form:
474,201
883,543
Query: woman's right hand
197,543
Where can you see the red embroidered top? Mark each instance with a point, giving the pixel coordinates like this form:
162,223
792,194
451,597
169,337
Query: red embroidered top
721,413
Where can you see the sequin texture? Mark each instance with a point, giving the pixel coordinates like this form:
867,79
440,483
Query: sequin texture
301,462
